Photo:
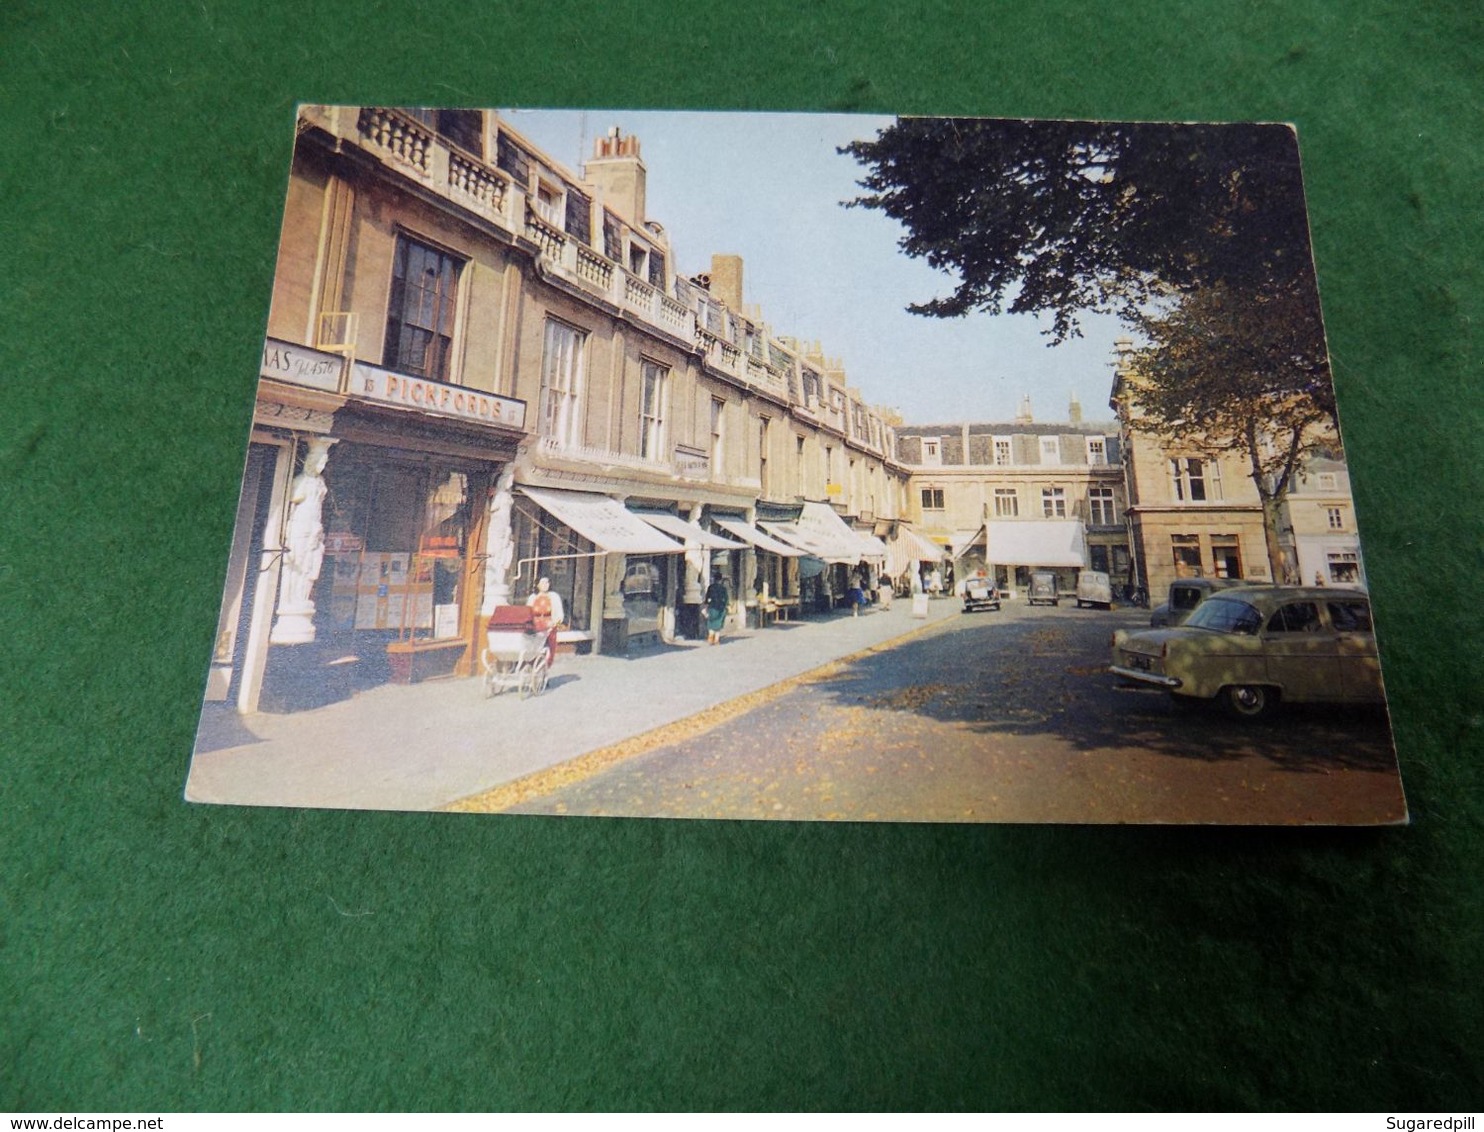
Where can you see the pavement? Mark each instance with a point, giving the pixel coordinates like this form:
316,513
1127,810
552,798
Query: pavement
426,746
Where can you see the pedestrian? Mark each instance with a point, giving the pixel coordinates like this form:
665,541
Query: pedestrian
935,583
717,601
883,590
546,607
856,597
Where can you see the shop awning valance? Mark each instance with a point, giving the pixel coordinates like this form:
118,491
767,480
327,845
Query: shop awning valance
763,542
694,537
1030,542
822,533
604,521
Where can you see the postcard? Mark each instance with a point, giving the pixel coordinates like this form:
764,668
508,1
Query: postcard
796,467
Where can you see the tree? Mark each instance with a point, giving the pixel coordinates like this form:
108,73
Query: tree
1229,370
1195,235
1063,218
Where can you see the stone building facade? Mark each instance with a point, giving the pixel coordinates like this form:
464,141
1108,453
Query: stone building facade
483,368
1020,495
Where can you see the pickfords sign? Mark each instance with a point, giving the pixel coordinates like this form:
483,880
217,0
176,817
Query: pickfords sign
372,383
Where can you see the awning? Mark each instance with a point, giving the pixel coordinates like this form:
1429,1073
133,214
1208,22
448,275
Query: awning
606,522
1031,542
909,548
872,548
694,537
822,533
757,538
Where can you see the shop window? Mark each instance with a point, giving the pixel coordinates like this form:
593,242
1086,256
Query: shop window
1227,555
932,499
1344,567
1006,503
561,383
1187,554
1098,557
420,315
1054,502
655,391
1100,507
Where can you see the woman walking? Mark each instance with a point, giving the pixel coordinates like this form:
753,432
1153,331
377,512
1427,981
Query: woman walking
717,601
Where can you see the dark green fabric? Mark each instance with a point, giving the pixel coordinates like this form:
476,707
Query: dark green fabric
157,956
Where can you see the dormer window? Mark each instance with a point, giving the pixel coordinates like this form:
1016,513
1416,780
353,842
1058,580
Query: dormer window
932,450
549,201
1050,450
1097,450
1004,452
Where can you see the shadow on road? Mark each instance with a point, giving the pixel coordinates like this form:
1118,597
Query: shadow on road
1046,674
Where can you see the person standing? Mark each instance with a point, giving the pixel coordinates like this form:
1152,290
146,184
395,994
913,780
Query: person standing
546,605
717,601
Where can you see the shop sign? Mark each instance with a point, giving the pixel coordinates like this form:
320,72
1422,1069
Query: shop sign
342,542
438,546
299,365
384,387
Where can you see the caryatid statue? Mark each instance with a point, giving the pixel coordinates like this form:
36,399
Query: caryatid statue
303,549
499,543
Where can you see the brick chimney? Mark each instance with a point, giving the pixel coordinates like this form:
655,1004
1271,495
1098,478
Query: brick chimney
726,280
617,172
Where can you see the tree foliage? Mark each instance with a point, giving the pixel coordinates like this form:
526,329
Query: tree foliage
1061,218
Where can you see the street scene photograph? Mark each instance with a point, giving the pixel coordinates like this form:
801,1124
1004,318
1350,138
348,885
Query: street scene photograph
796,467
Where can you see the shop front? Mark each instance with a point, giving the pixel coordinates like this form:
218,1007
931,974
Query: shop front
1014,549
618,574
836,557
381,570
774,590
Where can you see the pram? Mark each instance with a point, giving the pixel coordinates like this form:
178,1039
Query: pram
517,654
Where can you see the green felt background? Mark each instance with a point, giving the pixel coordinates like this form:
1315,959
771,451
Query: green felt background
159,956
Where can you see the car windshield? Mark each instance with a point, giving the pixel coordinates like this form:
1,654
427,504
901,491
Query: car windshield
1226,615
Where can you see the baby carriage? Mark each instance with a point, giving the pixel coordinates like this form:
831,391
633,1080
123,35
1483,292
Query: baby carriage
517,654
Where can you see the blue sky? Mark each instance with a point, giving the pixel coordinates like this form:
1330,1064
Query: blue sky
768,187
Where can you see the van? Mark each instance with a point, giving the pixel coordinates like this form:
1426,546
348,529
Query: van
1042,589
1094,588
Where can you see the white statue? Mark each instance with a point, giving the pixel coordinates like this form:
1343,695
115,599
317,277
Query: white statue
499,543
304,548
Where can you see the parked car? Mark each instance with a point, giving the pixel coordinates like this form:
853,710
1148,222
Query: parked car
980,593
1094,588
1250,649
1185,594
1042,590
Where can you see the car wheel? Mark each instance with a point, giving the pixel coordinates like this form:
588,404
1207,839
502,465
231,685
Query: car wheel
1249,701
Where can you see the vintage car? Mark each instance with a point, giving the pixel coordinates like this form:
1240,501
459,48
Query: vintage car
1251,648
1042,590
1185,594
980,593
1094,588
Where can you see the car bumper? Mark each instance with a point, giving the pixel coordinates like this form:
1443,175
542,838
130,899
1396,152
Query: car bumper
1145,677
